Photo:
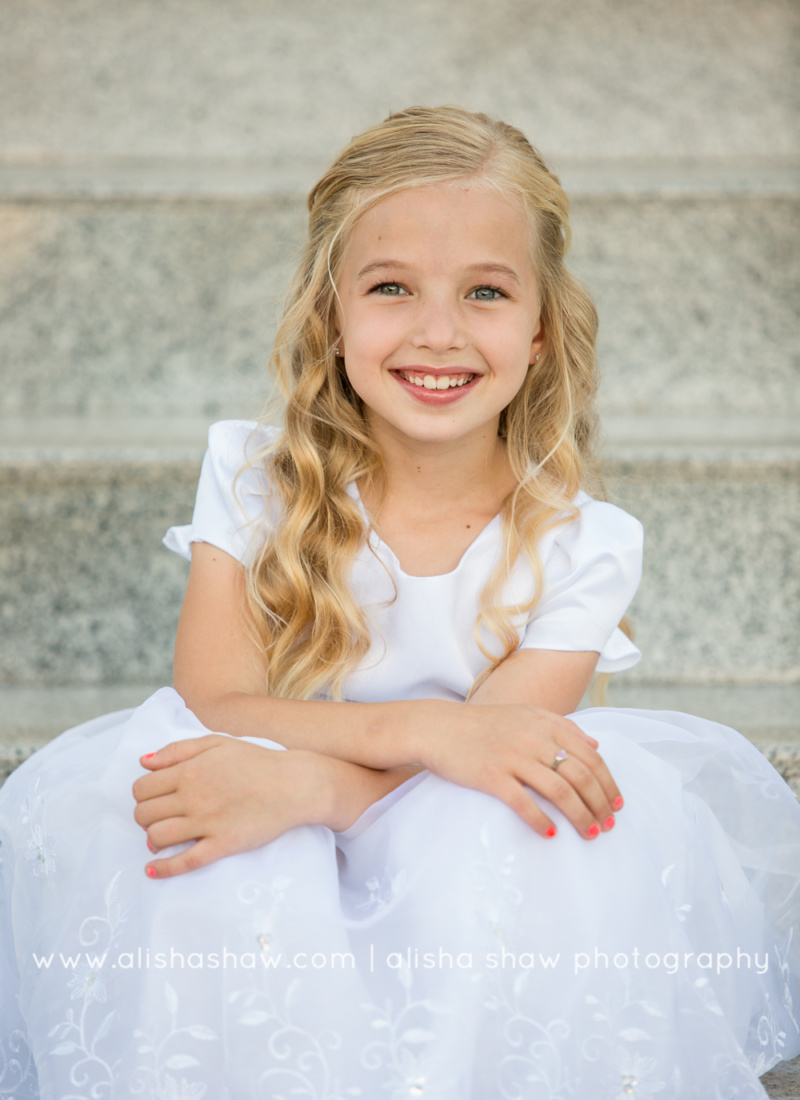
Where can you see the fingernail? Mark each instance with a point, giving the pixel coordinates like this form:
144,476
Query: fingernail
150,846
592,831
147,755
618,802
609,822
551,832
151,871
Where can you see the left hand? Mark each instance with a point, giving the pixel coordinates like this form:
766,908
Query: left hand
227,795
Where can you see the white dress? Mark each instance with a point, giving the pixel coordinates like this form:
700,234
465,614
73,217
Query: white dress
438,948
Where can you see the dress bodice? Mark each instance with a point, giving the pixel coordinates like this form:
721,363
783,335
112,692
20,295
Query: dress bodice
423,628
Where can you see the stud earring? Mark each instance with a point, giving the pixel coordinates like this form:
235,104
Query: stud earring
337,350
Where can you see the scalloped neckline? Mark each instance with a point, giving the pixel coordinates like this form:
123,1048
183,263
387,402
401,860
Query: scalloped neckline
375,541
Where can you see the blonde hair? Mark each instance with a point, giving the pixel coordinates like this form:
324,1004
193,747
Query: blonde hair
298,595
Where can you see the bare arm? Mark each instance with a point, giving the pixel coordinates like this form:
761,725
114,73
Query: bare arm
222,678
343,757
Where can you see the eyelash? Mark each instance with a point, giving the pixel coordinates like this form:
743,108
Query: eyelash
488,286
379,286
484,286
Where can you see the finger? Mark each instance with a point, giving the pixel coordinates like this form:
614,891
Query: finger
573,739
158,809
518,799
582,776
567,726
177,751
597,765
564,731
154,784
557,789
588,776
172,830
571,729
191,859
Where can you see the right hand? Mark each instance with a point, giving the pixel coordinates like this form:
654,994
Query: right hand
502,749
227,796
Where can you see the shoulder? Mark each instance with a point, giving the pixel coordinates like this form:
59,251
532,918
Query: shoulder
234,461
235,443
234,467
599,526
600,549
234,503
592,568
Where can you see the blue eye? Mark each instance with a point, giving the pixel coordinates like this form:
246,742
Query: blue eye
487,294
389,289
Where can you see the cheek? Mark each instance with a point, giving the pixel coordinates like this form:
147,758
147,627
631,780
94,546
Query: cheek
513,350
369,335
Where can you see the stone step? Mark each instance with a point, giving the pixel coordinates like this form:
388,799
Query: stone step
32,716
44,178
783,1082
89,596
601,78
167,307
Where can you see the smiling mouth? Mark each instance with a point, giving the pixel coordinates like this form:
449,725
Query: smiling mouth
435,381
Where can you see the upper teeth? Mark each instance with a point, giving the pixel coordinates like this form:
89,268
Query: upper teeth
438,382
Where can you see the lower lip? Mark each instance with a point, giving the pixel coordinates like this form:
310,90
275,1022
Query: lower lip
437,397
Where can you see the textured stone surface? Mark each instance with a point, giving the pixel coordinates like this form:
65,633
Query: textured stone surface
721,584
137,309
783,1082
169,308
697,302
87,593
607,77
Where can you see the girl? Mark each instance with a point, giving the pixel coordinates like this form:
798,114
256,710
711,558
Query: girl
397,869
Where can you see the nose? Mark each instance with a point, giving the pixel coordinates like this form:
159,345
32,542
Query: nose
438,325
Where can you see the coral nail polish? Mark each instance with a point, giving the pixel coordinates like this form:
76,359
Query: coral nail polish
551,832
151,871
593,830
609,822
618,802
147,755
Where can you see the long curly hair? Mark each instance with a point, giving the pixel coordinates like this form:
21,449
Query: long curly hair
298,595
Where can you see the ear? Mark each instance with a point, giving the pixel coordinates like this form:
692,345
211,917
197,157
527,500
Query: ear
537,343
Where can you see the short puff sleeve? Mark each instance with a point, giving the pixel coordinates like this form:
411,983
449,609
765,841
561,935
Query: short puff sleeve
228,508
592,569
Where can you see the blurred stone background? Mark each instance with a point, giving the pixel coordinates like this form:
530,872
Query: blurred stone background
154,156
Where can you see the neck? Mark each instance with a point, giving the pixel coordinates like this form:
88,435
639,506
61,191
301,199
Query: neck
436,478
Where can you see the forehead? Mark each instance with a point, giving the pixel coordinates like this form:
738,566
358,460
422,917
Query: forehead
462,221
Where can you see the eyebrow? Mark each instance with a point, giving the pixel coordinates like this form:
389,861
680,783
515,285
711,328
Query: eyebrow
495,269
399,265
378,265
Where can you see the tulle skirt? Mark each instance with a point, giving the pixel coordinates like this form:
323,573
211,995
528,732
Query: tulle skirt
437,949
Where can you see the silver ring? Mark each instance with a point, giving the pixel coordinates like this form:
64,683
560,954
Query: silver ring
561,756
